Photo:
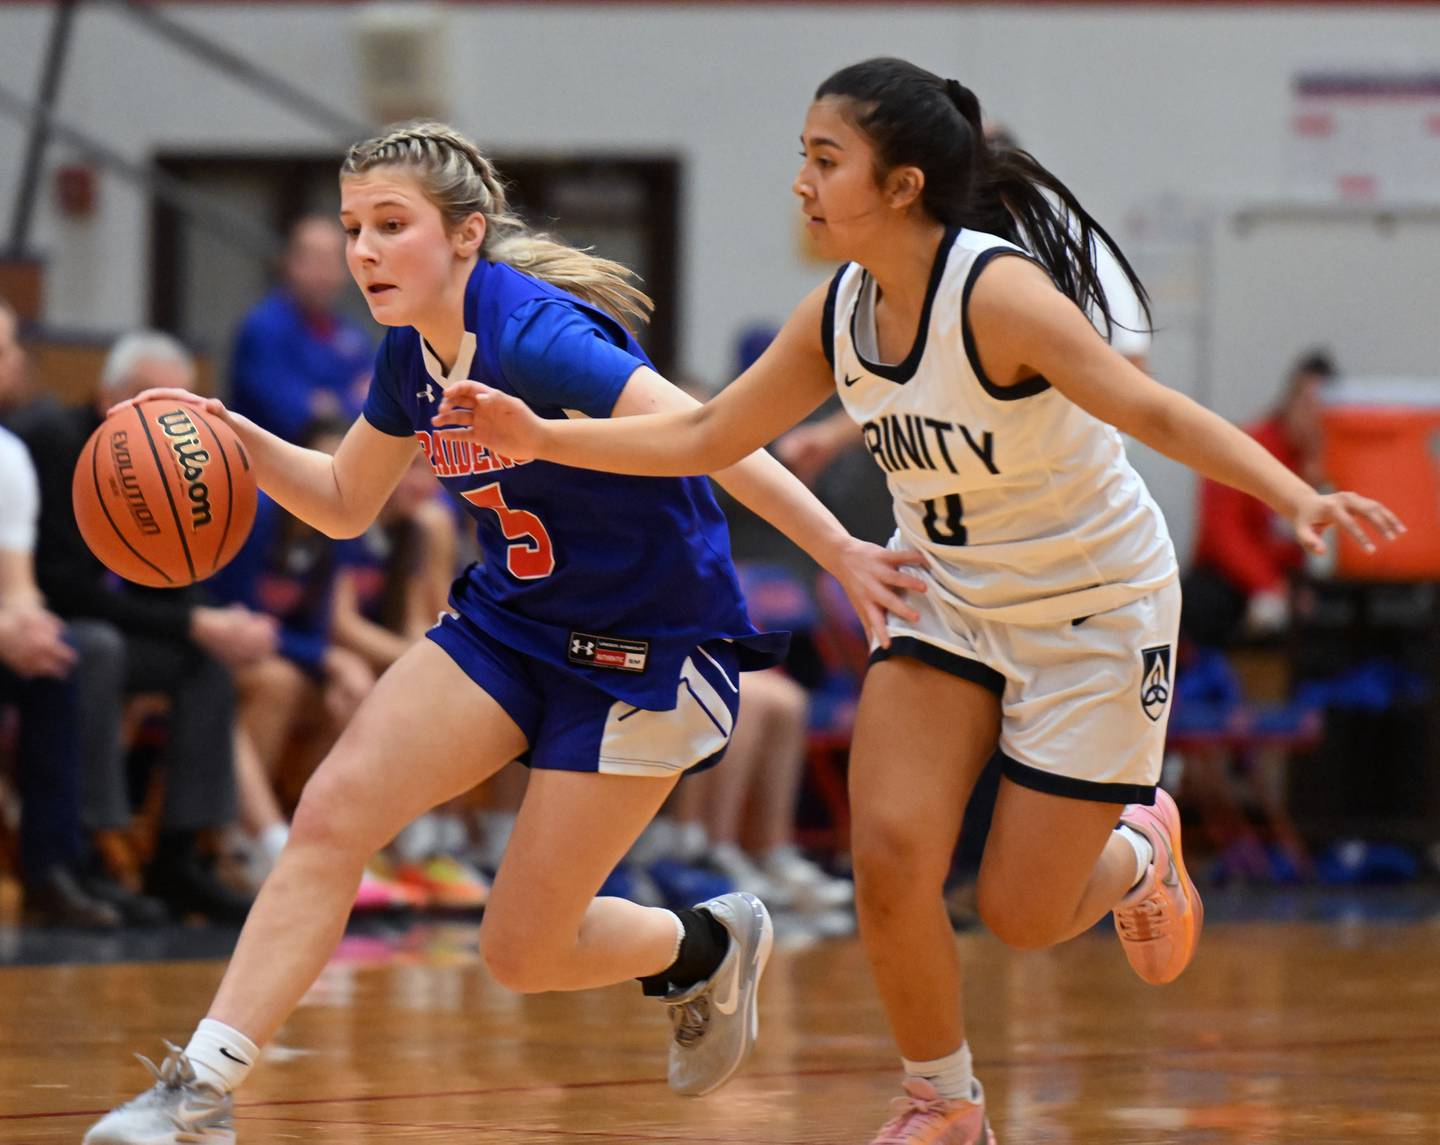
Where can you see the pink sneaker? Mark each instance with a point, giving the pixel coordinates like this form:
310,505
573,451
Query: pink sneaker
1159,921
923,1117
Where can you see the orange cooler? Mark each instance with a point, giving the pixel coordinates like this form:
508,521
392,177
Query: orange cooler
1382,439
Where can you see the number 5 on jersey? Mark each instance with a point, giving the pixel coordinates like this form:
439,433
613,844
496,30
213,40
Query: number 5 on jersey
532,556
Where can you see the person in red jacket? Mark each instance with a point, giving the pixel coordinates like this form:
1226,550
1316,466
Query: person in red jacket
1244,553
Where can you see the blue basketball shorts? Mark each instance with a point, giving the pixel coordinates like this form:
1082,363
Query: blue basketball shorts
571,725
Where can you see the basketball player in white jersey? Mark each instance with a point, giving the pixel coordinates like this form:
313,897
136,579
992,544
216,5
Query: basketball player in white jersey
809,448
1049,619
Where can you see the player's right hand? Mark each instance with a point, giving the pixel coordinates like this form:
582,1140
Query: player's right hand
213,406
504,425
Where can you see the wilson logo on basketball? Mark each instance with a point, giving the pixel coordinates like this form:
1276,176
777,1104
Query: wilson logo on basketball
193,457
130,490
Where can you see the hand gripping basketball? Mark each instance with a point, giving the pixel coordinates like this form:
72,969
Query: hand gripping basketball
164,493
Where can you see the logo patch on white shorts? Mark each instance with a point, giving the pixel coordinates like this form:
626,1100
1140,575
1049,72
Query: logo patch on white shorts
1155,679
594,651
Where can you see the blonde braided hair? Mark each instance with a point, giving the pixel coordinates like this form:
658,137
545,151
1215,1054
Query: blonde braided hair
457,177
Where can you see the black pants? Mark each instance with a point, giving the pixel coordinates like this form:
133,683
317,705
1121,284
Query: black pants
48,772
99,678
199,755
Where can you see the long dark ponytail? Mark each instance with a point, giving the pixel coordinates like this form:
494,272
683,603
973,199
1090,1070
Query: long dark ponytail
914,118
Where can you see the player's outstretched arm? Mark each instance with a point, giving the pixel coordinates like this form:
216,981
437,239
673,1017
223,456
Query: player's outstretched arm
1023,326
786,382
339,495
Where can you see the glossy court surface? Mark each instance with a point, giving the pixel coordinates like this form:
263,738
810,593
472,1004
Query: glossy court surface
1324,1028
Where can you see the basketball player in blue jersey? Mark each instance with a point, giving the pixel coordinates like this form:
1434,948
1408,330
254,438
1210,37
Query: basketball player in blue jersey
956,335
601,640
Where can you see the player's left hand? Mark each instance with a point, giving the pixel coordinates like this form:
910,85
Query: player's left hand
872,578
504,425
1316,513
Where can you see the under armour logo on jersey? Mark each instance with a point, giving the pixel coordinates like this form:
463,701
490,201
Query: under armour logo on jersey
1155,679
428,393
582,648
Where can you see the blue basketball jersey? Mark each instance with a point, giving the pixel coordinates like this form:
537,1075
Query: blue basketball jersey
612,577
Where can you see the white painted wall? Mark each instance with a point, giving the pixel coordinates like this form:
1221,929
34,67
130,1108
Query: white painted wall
1126,104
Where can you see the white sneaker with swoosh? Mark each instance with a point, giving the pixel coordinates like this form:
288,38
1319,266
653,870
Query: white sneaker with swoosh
715,1021
177,1108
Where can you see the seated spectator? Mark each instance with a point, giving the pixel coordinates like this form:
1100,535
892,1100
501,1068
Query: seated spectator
1238,582
59,675
295,357
37,669
393,583
394,580
286,570
176,643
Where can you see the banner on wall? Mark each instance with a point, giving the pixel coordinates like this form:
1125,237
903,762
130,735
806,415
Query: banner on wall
1366,136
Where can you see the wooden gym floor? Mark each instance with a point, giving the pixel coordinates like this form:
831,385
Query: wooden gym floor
1323,1032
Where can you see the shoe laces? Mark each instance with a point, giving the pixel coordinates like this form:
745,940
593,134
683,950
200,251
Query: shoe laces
690,1019
175,1072
175,1075
911,1113
1147,920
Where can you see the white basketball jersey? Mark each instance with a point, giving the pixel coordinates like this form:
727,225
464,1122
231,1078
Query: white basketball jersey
1025,506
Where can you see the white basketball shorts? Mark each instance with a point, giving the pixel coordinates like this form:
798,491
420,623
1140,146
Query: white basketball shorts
1083,703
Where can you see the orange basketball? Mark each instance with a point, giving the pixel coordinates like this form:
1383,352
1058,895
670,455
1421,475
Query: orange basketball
164,493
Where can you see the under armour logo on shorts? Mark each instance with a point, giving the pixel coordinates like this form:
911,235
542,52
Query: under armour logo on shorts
620,653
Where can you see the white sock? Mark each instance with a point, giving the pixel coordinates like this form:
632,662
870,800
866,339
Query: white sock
1144,852
222,1056
272,840
953,1077
679,937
